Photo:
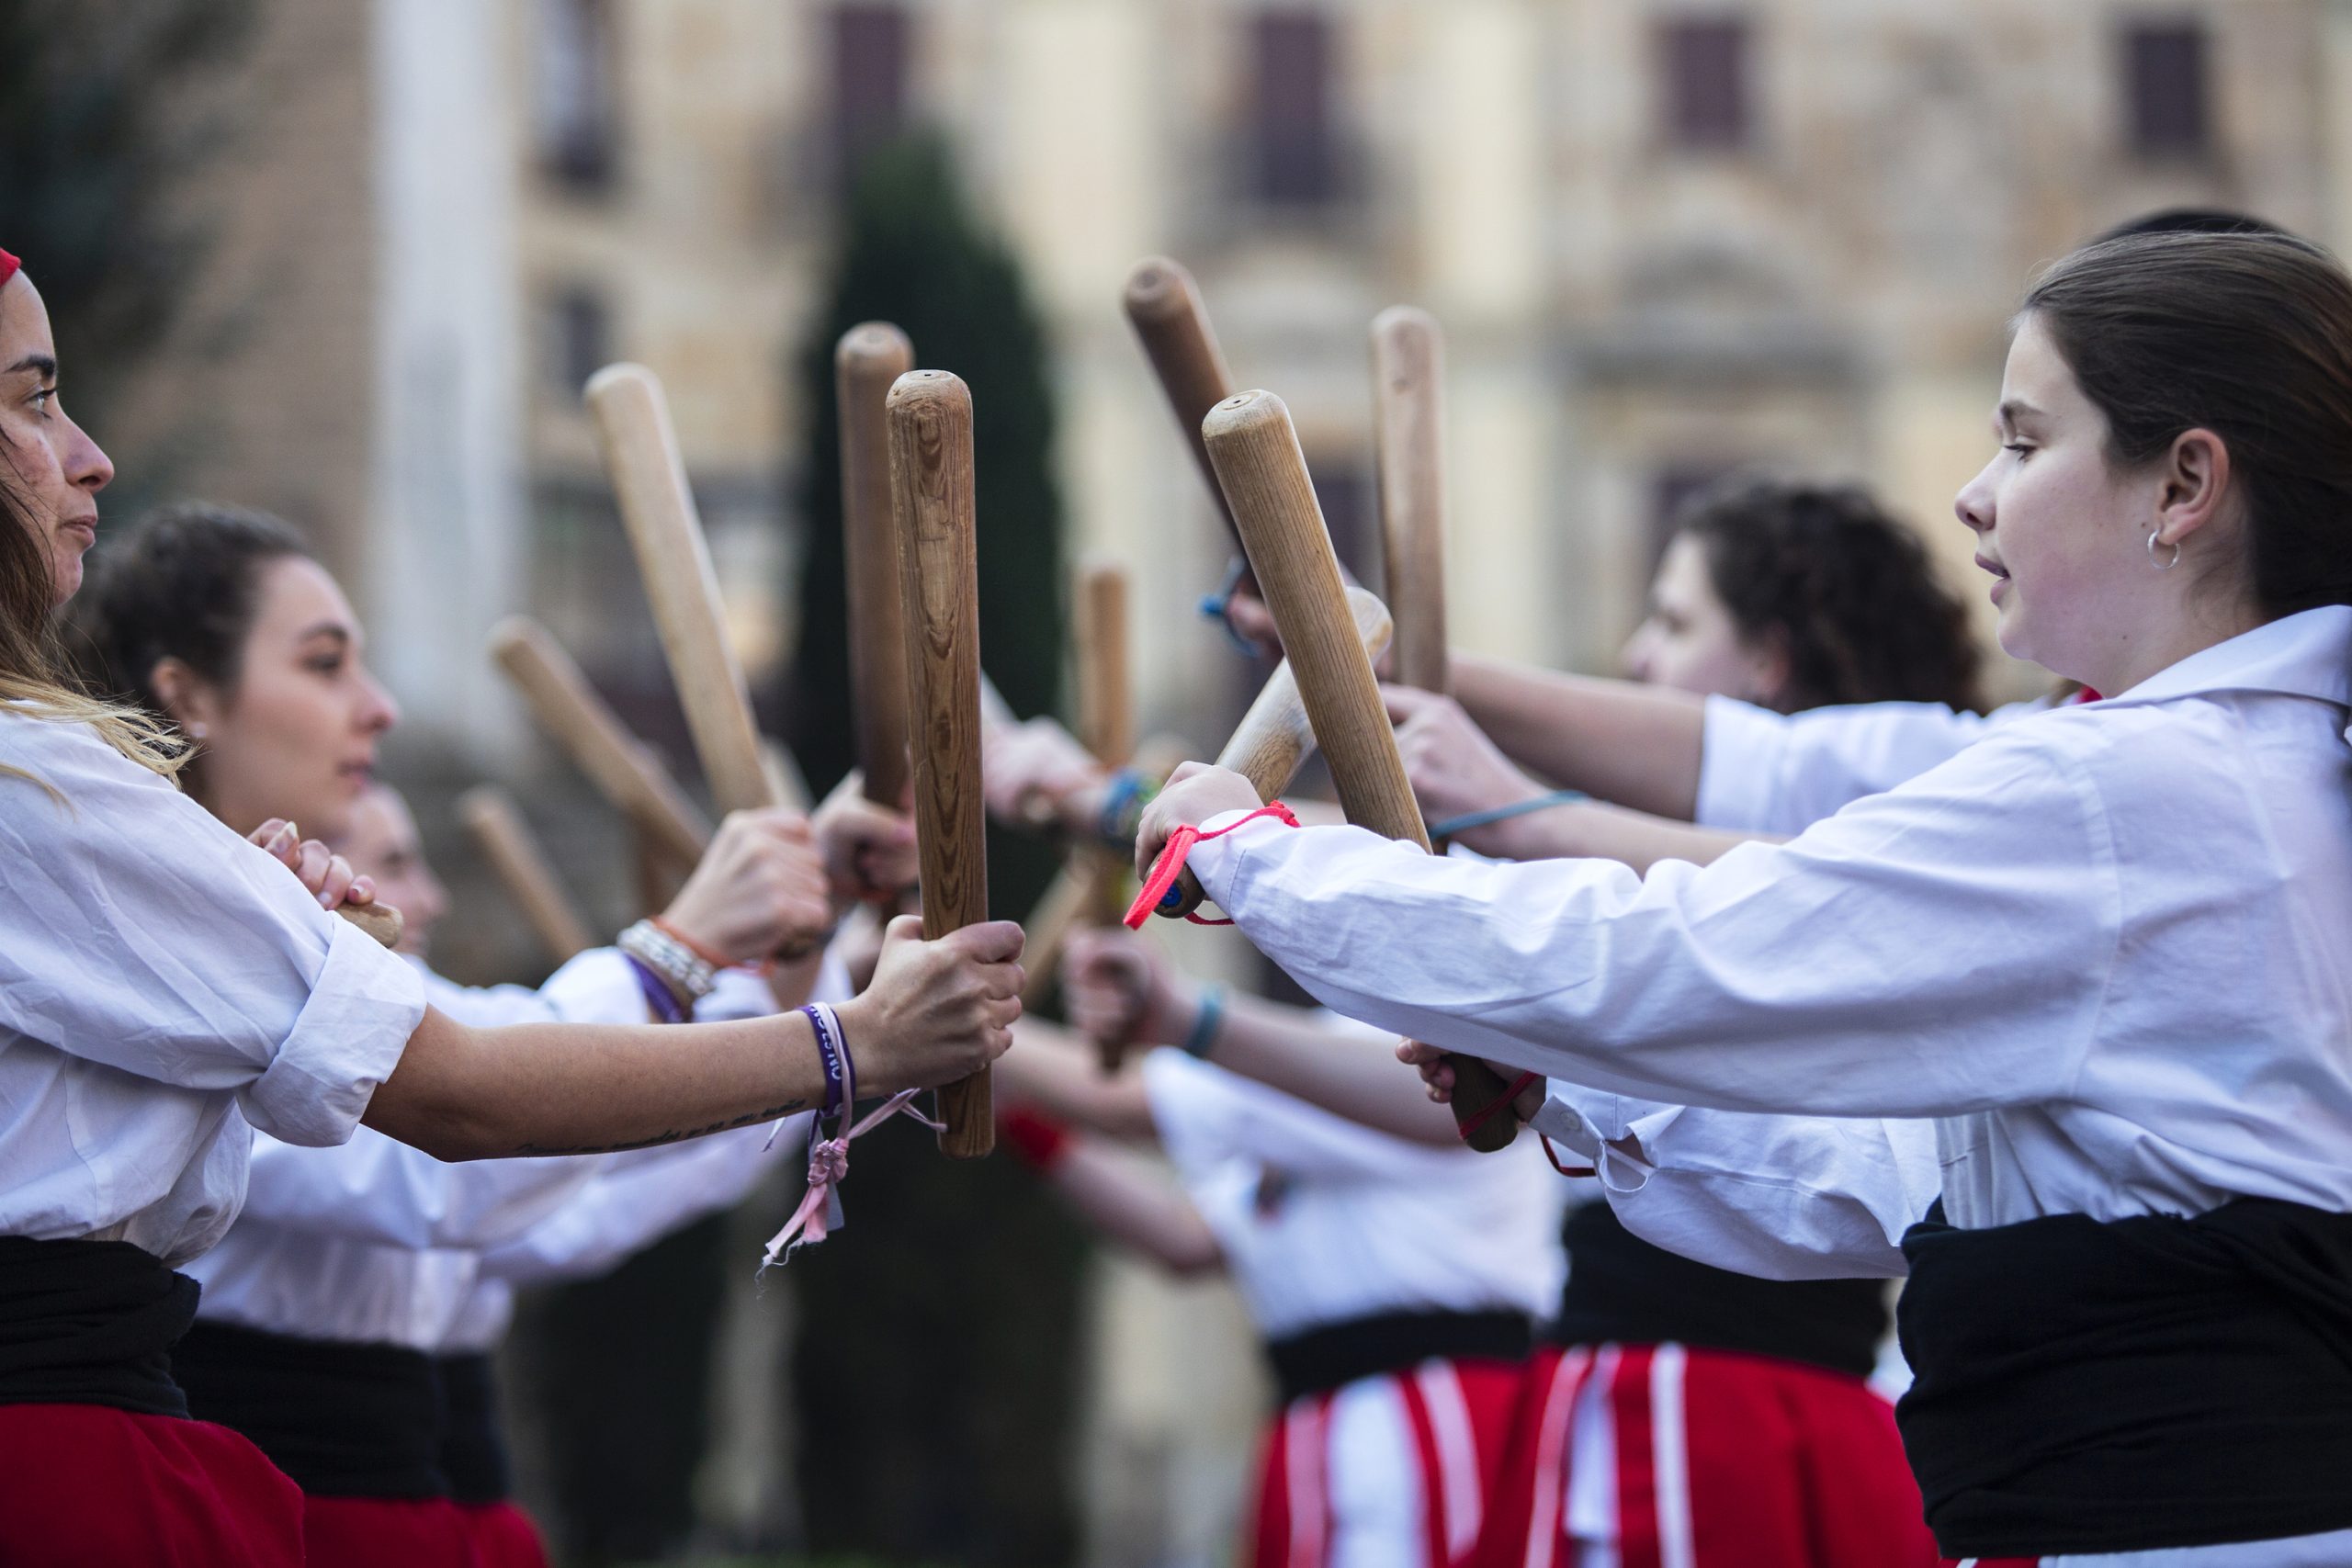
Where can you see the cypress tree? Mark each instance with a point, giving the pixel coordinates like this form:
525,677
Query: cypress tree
935,1367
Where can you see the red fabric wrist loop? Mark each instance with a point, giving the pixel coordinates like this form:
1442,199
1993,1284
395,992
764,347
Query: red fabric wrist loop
716,960
1041,1142
1171,863
1554,1155
1482,1117
8,265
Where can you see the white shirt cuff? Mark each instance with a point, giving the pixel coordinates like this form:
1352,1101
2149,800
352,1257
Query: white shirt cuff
1215,862
363,1007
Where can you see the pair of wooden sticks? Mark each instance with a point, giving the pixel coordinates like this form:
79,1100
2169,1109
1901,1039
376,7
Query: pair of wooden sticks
1250,452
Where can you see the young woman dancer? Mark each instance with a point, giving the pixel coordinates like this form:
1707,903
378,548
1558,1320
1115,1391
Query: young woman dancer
1766,1446
1394,1284
163,984
2084,983
322,1303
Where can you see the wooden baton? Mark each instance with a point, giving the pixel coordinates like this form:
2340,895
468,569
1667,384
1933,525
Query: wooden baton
867,359
1163,305
1263,470
380,920
1408,447
931,492
622,767
514,853
1275,736
640,450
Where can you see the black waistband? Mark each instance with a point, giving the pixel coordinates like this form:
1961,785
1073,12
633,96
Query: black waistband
473,1440
1622,1290
90,1323
2147,1384
343,1420
1324,1358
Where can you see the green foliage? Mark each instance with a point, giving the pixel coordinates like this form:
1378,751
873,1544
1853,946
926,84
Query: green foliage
98,141
936,1365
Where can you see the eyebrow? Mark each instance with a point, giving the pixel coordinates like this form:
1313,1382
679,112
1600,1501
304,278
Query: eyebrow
334,629
41,364
2009,411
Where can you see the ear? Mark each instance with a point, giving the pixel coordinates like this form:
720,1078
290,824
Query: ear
2193,481
188,699
1769,666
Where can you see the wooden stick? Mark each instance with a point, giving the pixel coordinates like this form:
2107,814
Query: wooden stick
1106,698
1073,898
380,920
1163,305
1259,463
622,767
1409,444
867,359
514,853
930,491
1275,738
641,449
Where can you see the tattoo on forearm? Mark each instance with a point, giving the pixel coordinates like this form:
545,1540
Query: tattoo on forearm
676,1135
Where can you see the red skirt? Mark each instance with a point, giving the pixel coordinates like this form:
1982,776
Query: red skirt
1408,1457
1712,1460
505,1536
89,1486
387,1532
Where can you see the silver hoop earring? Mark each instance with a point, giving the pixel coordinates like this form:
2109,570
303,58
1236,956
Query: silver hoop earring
2162,565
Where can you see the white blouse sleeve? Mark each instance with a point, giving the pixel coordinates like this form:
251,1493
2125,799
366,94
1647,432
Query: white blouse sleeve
137,931
1761,771
1939,949
1778,1197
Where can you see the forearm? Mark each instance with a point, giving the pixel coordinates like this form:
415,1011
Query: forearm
547,1089
1347,1074
1638,746
1128,1204
1592,831
1056,1073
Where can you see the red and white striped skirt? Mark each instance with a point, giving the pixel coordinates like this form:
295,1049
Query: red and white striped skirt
1659,1456
1387,1471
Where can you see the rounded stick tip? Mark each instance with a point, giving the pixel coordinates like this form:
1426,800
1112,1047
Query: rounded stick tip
1244,412
1157,288
928,389
615,377
872,343
1403,319
512,632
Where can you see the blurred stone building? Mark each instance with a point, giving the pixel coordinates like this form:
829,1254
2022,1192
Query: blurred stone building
1667,239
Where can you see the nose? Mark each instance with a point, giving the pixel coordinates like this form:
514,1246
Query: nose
87,465
1974,505
377,709
1634,659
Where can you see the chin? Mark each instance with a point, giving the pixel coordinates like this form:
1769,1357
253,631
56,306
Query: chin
67,575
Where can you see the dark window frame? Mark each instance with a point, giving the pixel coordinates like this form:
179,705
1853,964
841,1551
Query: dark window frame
869,55
1293,154
576,109
2165,63
1705,64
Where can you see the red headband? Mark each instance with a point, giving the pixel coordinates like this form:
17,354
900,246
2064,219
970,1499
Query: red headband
8,265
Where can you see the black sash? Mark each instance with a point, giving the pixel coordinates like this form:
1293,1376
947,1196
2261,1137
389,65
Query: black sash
90,1323
1324,1358
343,1420
1623,1291
2131,1386
473,1446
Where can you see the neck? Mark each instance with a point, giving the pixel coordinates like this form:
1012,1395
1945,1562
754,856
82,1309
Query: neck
2157,646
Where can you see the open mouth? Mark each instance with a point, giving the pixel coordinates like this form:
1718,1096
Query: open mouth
1996,568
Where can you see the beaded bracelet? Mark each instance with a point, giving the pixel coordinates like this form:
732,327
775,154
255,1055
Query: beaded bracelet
676,963
1131,790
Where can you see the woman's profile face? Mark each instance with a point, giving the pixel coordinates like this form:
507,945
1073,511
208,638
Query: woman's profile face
1689,641
295,737
54,468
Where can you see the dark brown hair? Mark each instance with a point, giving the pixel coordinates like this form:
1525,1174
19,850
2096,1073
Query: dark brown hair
183,583
2248,335
1844,589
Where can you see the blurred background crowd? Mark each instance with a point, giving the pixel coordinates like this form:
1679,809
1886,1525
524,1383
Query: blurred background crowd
352,263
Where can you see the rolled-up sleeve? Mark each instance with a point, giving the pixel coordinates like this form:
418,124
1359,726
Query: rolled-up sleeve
142,935
1761,771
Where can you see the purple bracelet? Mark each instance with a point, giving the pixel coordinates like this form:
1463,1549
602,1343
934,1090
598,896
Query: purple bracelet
658,994
834,1052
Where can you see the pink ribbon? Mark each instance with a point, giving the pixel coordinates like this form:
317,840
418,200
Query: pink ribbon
819,1214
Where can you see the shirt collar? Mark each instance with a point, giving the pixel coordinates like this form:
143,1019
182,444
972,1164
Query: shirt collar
2308,654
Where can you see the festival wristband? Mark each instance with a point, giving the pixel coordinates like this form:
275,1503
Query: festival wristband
685,972
832,1052
660,1000
1469,819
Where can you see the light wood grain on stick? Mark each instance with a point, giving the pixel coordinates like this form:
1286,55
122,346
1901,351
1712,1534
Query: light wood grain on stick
522,867
1163,304
869,358
1408,446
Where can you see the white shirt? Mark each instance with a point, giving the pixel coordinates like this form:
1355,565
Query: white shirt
1761,771
1321,1219
158,977
2108,948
